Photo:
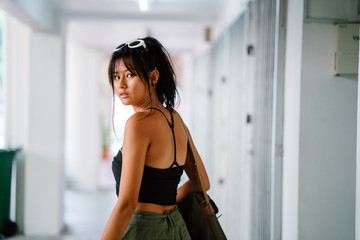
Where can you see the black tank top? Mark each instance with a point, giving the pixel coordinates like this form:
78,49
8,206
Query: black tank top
158,186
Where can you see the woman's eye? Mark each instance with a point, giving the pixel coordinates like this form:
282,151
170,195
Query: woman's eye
116,77
129,75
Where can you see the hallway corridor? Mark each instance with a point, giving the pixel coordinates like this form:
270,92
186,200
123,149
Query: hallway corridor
268,89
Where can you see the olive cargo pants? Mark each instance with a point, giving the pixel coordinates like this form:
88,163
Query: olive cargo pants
150,226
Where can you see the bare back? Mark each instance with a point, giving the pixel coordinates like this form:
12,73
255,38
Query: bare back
161,150
160,153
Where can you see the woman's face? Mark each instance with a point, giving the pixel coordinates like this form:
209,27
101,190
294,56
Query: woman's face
129,87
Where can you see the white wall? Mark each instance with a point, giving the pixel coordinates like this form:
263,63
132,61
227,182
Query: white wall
34,73
239,84
183,67
83,116
292,119
200,122
220,126
327,141
220,102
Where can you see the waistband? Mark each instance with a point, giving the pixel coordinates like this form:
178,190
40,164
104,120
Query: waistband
168,217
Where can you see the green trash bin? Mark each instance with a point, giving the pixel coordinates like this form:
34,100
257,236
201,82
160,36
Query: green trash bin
6,160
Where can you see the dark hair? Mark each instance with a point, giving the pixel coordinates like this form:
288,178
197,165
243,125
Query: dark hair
142,61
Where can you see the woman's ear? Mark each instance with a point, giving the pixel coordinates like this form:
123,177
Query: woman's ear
154,77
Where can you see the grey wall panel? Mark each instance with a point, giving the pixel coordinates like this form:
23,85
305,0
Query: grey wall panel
265,27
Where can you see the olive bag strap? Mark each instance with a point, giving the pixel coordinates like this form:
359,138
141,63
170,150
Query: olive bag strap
207,201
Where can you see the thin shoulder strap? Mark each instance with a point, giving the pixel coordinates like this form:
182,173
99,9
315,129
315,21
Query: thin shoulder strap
171,125
194,157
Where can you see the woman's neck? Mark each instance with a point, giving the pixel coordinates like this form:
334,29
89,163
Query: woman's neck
151,104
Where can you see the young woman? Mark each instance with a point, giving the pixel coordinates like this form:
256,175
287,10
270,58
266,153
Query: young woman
155,149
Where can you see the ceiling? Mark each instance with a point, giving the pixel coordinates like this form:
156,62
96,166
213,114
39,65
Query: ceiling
103,24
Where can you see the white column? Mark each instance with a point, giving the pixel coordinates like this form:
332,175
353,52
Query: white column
43,208
83,114
290,200
16,80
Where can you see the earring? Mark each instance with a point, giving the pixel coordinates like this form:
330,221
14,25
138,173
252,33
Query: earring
152,84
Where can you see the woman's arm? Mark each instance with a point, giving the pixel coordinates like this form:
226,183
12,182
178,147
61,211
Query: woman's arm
136,142
193,184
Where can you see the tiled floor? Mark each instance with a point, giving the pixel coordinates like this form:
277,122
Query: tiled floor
86,214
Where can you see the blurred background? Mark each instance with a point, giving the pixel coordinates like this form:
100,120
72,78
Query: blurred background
268,88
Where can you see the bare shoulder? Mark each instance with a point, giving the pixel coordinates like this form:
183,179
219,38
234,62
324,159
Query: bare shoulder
137,123
178,116
147,122
136,118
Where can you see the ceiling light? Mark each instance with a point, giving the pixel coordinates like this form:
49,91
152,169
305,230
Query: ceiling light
144,5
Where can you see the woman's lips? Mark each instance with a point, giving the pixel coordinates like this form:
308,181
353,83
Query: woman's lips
124,95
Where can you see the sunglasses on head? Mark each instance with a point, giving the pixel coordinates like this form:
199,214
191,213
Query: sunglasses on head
133,44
